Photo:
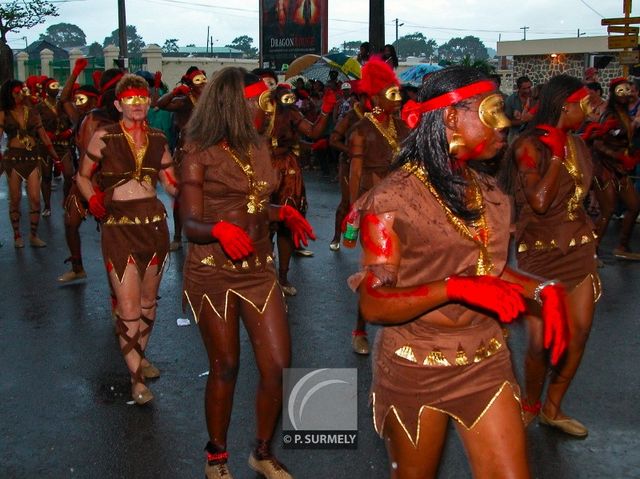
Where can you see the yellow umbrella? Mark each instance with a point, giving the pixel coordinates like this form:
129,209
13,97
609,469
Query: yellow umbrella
300,64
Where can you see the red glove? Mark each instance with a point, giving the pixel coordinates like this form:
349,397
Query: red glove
157,80
234,240
51,135
299,227
487,292
65,134
353,217
181,90
328,101
96,204
81,64
554,138
595,130
321,144
58,166
554,317
628,162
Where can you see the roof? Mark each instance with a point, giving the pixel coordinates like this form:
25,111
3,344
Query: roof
554,45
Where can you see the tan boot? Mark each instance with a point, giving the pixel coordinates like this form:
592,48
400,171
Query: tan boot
216,465
270,468
217,471
359,342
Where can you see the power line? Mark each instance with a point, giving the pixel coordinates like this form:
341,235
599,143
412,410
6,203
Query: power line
592,9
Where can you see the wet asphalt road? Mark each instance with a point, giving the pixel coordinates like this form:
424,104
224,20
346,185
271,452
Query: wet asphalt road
64,387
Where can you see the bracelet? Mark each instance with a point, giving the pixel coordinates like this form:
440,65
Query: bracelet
538,291
556,157
323,113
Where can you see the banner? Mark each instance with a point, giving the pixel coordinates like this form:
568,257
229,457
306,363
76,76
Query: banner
291,28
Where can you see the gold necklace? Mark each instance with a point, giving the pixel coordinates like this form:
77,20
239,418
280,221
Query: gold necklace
23,135
571,165
481,235
137,152
254,203
388,133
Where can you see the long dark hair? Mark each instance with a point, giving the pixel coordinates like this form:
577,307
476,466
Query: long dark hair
222,113
552,98
7,101
611,102
427,144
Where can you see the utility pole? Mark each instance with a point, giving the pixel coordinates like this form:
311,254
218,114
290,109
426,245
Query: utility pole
376,24
524,29
397,45
580,34
123,59
208,41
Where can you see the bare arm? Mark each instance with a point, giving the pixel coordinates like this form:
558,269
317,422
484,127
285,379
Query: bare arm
313,130
356,153
170,102
167,175
192,200
539,190
338,137
88,164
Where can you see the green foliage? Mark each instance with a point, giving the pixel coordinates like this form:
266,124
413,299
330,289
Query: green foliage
244,44
65,35
416,45
135,43
456,49
170,45
95,50
16,14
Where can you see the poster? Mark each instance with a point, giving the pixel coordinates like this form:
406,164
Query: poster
291,28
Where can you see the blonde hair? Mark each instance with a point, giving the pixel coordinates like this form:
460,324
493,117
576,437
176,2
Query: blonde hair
129,80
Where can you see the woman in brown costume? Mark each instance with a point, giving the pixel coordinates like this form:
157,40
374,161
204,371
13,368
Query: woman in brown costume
87,121
227,181
58,127
549,171
22,160
135,238
435,237
339,141
284,124
373,144
181,101
613,159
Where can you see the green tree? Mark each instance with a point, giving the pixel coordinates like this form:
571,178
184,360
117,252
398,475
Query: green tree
416,45
135,44
170,45
244,44
352,47
456,49
65,35
14,16
95,50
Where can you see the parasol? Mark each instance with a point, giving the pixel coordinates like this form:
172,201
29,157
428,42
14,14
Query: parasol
414,75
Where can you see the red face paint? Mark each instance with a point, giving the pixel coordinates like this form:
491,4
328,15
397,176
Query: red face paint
419,292
375,236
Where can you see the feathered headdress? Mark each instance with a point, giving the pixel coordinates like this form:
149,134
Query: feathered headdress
377,76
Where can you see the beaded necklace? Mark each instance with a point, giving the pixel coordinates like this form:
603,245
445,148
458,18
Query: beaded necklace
481,235
254,203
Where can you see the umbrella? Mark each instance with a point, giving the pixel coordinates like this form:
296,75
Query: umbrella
318,70
348,65
413,75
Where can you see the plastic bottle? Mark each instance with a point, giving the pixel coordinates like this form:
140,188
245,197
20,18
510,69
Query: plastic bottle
350,236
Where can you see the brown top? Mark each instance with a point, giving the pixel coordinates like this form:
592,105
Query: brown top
285,129
615,141
53,117
378,153
566,222
13,128
118,163
431,248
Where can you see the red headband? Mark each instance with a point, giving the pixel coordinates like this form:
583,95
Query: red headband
131,91
194,74
255,89
111,83
617,81
413,110
578,95
17,89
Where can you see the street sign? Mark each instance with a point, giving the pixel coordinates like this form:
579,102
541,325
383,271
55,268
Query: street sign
625,30
629,58
623,41
620,21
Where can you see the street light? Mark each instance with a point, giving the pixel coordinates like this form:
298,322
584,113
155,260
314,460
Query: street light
397,45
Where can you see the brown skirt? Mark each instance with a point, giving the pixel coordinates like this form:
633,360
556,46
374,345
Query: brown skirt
74,202
291,189
457,371
135,231
571,268
22,161
210,277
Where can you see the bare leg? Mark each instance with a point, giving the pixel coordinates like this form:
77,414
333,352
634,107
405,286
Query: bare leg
535,367
150,286
496,445
45,184
15,194
33,192
606,199
629,197
408,461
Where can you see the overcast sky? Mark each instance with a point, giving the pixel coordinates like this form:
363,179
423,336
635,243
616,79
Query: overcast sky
187,20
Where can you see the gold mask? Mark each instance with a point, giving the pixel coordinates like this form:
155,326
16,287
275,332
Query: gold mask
264,101
393,94
585,106
623,89
199,80
288,99
80,99
135,100
491,112
54,85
